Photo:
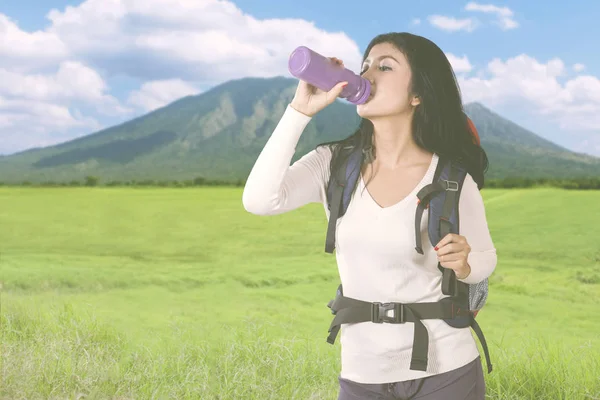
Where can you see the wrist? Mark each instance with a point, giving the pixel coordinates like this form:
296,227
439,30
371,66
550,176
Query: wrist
463,273
299,109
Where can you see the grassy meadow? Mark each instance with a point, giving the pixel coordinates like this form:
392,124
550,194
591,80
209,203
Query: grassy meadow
149,293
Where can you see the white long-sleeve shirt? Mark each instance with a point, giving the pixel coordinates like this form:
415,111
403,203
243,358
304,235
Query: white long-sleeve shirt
376,256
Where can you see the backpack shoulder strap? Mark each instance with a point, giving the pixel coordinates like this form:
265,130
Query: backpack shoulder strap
448,220
441,197
424,197
340,188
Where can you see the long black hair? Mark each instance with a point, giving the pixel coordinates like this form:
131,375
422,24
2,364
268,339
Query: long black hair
439,123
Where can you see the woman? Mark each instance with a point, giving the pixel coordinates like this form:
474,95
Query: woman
413,117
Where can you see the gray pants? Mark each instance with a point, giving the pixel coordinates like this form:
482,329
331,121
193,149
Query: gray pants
464,383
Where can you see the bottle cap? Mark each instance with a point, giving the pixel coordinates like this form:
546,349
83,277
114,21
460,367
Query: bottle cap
299,60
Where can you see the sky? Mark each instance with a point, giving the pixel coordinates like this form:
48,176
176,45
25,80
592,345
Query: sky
70,68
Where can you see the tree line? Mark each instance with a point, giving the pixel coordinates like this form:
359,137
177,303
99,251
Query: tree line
506,183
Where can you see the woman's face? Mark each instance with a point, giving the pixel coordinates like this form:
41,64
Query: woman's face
389,72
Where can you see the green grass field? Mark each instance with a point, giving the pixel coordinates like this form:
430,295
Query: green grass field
112,293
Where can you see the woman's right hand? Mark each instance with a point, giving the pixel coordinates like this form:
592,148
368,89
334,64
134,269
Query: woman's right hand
309,100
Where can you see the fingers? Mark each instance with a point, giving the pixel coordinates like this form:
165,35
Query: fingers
449,248
459,247
451,257
453,252
337,89
337,60
451,238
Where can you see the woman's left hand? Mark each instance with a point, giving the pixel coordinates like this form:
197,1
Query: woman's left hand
452,252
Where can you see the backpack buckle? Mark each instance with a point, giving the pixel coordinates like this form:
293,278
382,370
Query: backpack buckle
453,187
379,313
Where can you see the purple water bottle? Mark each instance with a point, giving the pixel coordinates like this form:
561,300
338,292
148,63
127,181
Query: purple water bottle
311,67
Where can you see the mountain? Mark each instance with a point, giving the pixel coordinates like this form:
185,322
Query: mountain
219,134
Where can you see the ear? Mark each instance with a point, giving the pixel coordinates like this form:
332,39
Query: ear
415,101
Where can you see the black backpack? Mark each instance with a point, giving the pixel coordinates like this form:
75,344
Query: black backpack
441,199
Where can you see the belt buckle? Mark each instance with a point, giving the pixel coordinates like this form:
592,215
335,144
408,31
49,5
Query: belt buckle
379,313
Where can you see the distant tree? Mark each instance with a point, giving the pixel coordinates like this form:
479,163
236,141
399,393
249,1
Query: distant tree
91,180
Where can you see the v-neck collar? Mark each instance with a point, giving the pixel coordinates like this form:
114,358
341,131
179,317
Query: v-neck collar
427,177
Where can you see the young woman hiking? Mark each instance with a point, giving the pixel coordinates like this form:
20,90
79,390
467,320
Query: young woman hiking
413,117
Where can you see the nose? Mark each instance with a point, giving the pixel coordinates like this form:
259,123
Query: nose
370,79
367,76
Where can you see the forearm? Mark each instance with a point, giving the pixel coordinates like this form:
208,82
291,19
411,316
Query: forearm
482,258
273,186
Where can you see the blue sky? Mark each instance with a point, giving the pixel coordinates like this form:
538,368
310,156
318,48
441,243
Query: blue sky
70,68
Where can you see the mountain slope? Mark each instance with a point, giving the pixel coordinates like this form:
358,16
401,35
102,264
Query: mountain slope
218,135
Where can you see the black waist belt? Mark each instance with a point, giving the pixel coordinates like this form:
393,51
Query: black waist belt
349,311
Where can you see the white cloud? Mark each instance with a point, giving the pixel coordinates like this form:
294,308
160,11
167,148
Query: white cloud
573,105
416,21
504,14
41,109
33,123
507,23
578,67
459,64
72,82
189,39
156,94
24,51
450,24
